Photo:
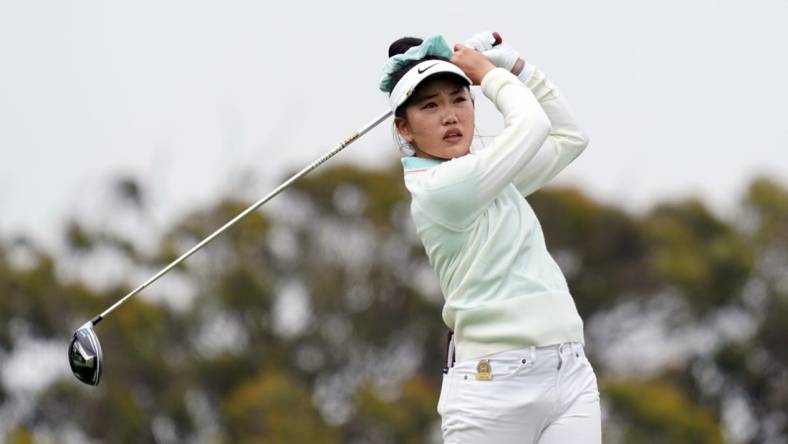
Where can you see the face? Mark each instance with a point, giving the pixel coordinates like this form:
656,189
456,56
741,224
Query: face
439,120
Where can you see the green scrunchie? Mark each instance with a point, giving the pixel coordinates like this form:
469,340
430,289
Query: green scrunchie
434,46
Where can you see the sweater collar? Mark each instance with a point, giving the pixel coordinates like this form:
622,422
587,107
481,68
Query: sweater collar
419,162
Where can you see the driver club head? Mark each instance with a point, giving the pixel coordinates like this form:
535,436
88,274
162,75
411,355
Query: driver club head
84,355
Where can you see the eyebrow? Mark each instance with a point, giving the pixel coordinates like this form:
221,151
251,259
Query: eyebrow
421,99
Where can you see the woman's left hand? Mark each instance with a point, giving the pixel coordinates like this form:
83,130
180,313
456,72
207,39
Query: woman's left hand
501,55
473,63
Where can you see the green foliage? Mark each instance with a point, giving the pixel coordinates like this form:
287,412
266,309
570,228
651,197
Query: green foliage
32,298
659,412
273,408
769,203
609,245
19,435
382,190
773,332
77,238
406,419
221,369
706,259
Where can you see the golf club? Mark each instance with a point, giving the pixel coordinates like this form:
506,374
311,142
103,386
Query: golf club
84,352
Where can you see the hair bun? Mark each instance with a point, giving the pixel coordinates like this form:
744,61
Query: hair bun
401,45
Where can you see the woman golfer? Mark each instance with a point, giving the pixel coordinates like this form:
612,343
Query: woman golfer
516,371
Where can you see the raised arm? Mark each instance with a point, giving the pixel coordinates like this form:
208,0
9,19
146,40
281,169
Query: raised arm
457,191
526,128
564,143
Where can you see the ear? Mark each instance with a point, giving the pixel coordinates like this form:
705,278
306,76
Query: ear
404,129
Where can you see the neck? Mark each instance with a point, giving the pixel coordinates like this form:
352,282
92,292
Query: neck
425,155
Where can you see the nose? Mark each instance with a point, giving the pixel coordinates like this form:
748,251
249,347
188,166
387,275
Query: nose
449,118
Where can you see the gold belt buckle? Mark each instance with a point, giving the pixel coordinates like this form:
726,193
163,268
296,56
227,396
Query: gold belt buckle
483,370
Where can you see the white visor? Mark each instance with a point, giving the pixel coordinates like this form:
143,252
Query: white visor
408,83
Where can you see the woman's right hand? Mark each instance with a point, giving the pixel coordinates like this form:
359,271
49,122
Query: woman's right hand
473,63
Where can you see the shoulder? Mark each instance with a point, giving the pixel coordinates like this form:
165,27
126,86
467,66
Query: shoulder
433,174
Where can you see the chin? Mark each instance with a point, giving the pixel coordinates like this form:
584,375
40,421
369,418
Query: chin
462,152
451,151
458,150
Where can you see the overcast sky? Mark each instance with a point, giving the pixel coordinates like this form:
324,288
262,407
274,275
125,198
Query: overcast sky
679,98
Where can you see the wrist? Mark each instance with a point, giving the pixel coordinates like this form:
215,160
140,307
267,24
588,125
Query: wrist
518,66
484,71
527,72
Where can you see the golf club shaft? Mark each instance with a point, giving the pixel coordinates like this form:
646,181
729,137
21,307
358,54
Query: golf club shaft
353,137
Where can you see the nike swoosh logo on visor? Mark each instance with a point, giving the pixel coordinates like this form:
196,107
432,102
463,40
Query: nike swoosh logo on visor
422,70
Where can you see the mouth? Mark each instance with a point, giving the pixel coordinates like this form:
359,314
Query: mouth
452,135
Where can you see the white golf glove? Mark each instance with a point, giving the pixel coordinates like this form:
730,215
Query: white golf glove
502,55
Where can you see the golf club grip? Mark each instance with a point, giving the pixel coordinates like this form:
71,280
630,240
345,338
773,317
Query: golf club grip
352,138
498,39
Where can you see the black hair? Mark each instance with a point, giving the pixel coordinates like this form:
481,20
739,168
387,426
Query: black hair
400,46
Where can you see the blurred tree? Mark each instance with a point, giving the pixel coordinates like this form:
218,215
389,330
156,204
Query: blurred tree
755,368
20,435
318,319
601,249
708,261
405,419
274,409
658,412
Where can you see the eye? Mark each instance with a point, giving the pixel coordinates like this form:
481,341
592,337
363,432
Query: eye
460,99
429,105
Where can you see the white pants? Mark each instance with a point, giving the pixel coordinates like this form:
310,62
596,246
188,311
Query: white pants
537,395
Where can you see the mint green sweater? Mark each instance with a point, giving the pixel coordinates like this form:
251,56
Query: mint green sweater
502,288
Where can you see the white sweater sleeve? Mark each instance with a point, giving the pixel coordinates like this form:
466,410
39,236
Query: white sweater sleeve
457,191
564,143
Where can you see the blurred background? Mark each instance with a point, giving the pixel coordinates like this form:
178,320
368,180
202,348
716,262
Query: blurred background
130,131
